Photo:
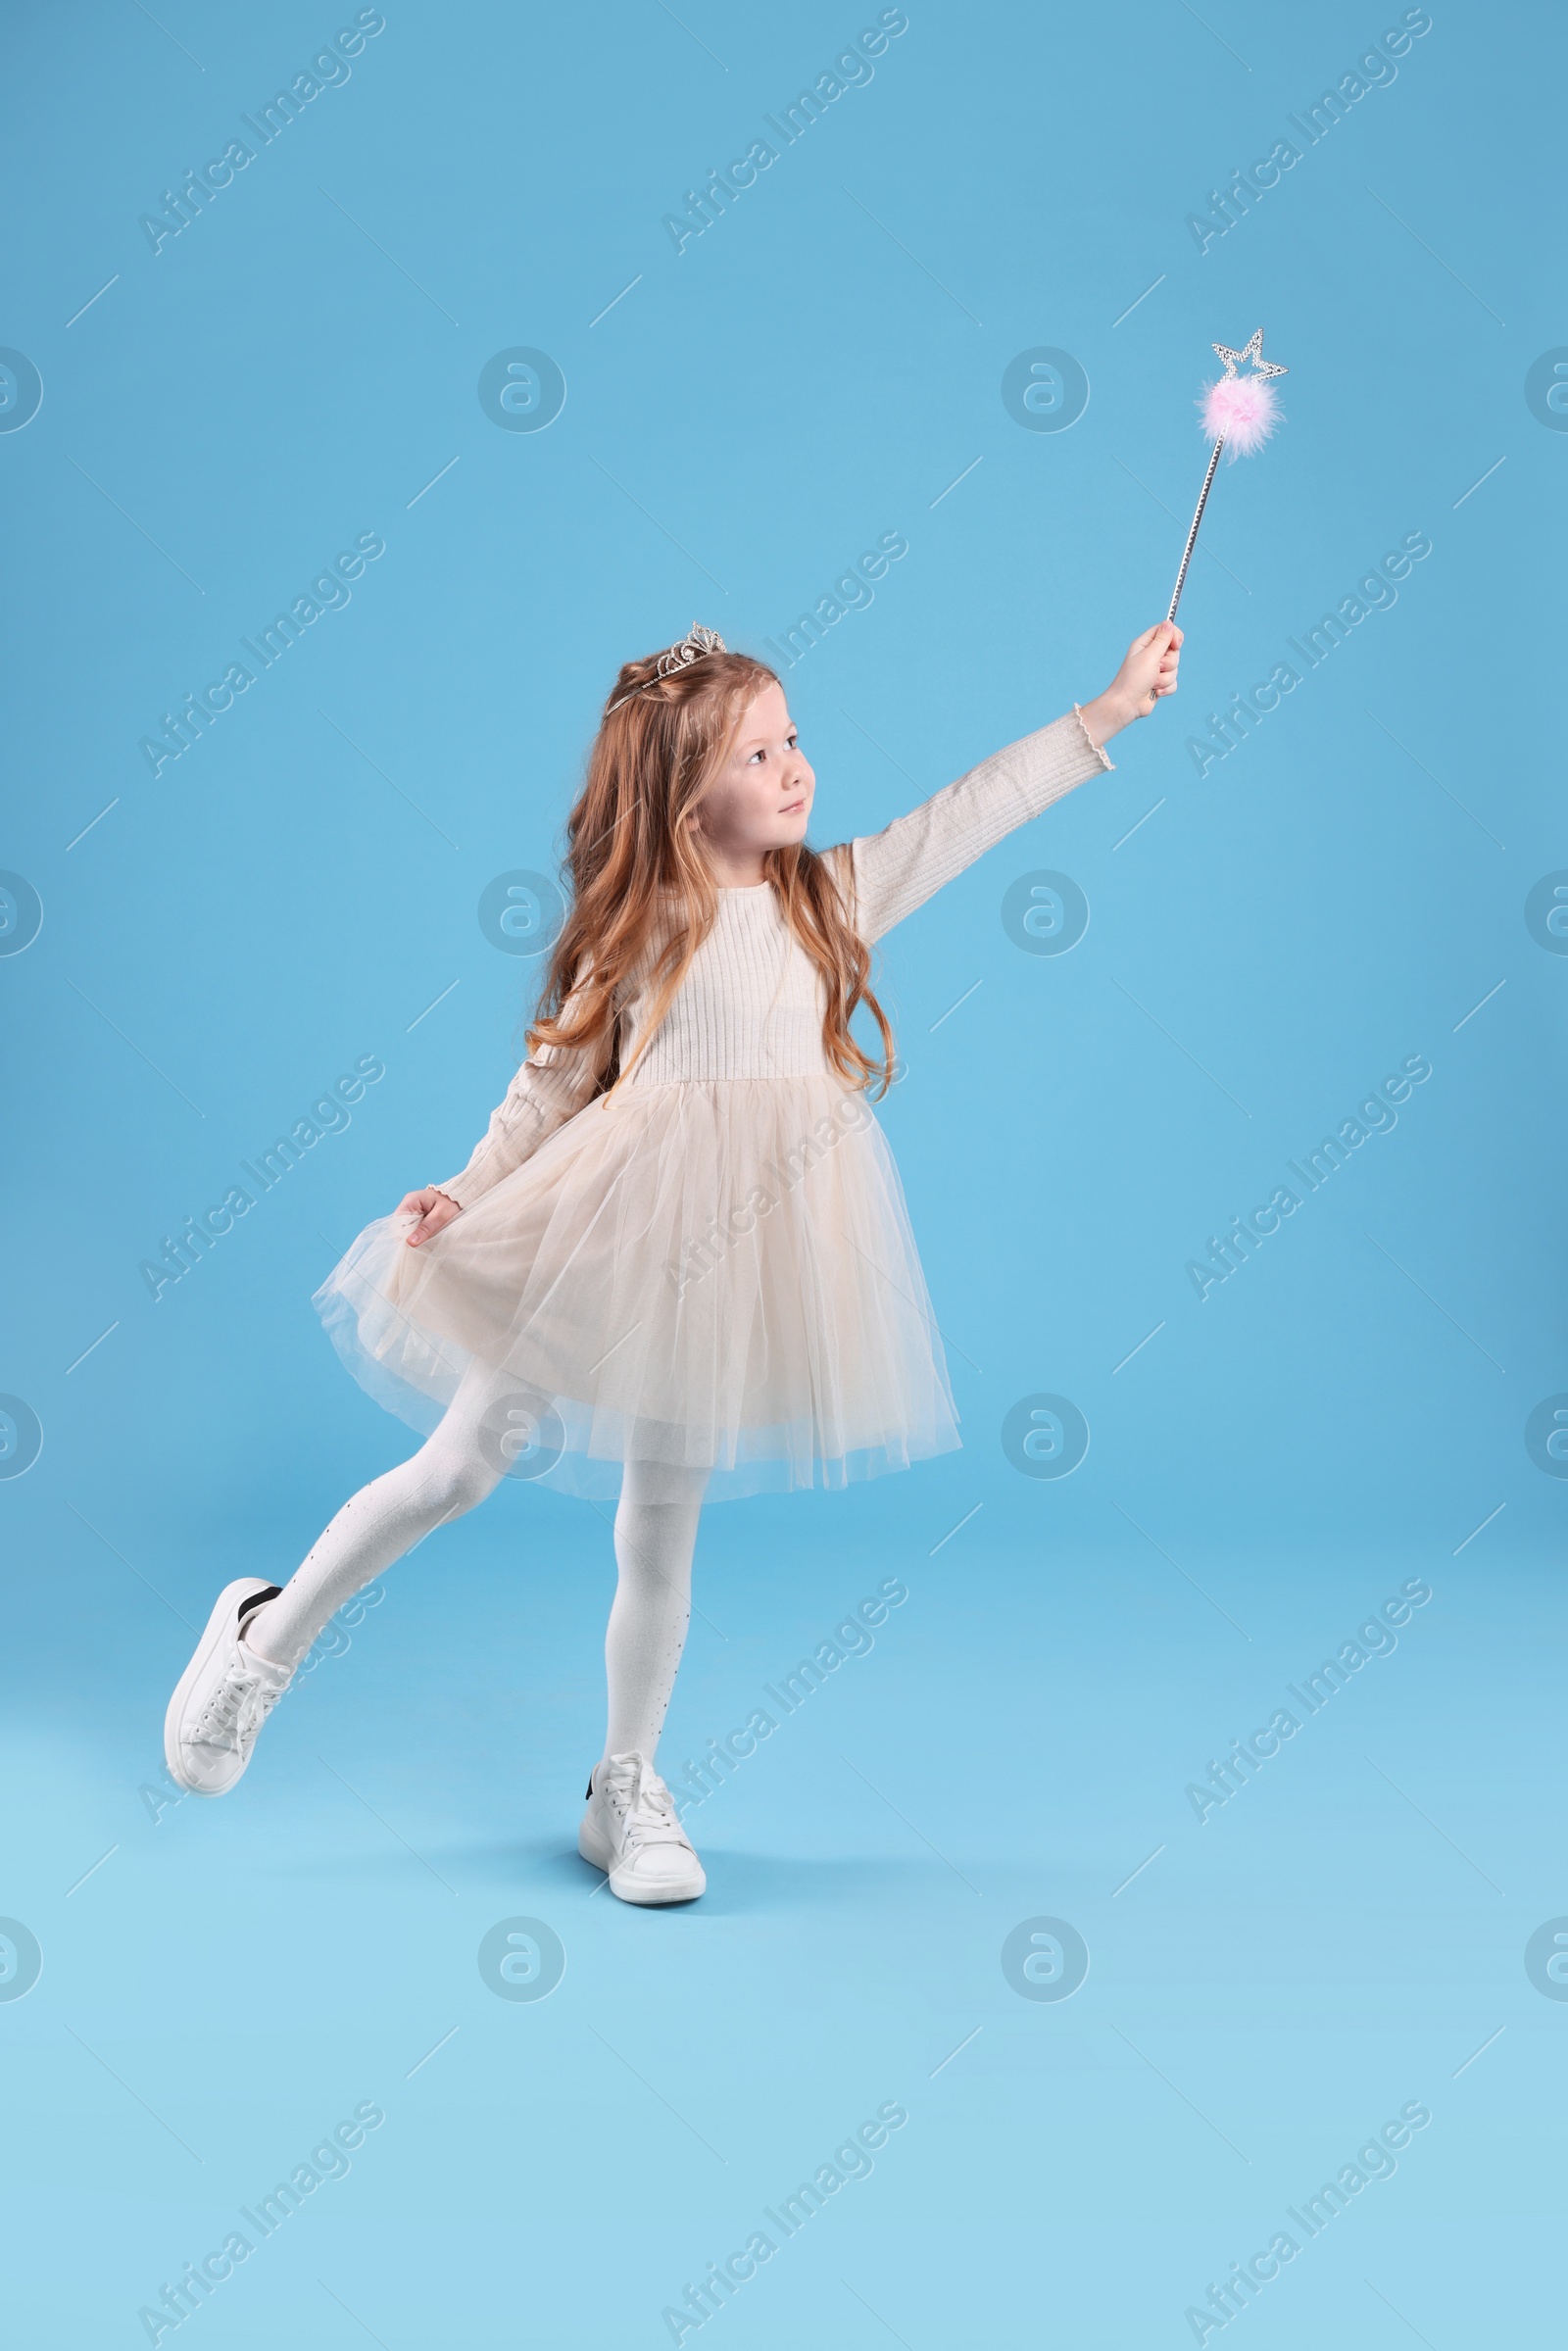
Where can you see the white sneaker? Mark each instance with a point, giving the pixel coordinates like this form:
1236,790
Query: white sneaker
223,1696
631,1832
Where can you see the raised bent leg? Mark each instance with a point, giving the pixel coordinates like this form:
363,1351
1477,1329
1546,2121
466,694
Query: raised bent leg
452,1472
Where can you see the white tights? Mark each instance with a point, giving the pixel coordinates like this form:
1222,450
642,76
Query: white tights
655,1534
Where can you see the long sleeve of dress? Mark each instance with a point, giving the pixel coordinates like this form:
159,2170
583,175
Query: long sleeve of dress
899,869
552,1086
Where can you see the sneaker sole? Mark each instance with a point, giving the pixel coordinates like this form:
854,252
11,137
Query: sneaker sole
224,1610
641,1895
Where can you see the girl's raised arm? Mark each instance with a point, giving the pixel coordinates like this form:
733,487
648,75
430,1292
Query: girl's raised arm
899,869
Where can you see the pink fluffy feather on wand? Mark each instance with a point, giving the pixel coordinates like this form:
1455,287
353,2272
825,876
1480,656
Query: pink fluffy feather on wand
1239,413
1242,411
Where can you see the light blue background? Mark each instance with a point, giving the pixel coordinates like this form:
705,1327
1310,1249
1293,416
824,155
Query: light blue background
297,890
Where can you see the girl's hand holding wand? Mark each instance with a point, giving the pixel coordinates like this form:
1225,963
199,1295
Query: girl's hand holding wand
1148,672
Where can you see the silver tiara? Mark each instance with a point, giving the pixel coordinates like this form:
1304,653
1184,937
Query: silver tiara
695,642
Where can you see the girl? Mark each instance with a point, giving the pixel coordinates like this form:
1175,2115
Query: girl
677,1267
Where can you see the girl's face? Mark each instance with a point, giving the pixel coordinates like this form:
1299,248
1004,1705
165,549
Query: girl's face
761,797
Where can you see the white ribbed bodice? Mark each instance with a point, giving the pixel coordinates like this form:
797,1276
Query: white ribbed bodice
751,1005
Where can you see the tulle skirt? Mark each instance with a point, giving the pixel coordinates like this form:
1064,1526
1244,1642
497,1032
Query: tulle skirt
718,1277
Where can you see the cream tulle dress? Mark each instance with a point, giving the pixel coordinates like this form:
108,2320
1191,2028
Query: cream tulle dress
710,1266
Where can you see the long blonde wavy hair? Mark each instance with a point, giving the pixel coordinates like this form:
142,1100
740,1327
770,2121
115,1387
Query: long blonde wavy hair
636,872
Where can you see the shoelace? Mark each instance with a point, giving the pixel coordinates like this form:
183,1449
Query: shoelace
237,1708
645,1803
